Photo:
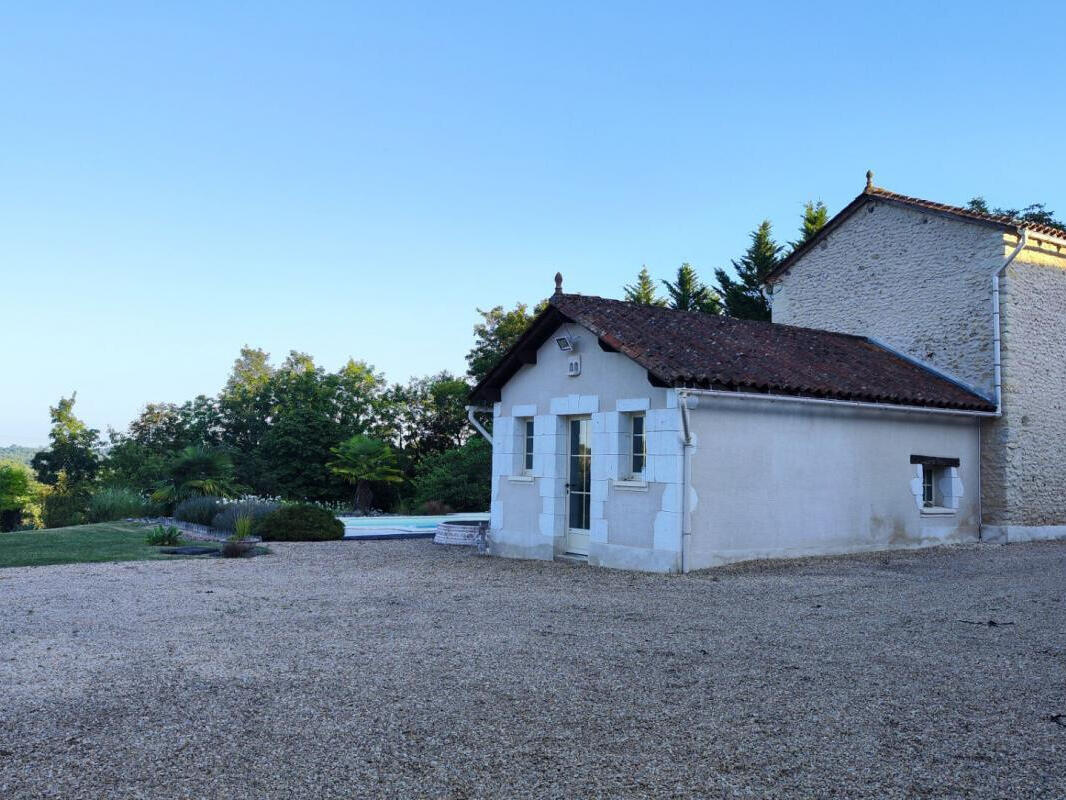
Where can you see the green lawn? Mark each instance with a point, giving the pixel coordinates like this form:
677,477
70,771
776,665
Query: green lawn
107,541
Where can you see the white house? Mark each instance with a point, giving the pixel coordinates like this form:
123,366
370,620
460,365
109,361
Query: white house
644,438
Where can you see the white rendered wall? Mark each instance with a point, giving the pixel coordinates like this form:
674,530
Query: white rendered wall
782,479
635,526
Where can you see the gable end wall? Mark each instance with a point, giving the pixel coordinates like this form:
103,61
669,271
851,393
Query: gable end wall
1024,453
919,282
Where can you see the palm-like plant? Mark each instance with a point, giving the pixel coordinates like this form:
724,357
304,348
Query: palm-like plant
197,471
362,460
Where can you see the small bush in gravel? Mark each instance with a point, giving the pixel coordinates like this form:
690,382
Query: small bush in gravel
299,523
116,503
198,510
160,536
226,519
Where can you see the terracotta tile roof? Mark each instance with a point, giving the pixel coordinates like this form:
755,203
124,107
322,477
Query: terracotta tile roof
1009,222
876,193
691,349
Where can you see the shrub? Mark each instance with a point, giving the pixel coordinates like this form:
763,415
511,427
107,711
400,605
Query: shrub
116,503
159,536
197,472
198,510
62,509
20,497
299,523
225,520
458,478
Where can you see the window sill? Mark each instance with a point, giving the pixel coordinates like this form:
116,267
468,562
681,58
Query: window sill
631,486
937,511
520,478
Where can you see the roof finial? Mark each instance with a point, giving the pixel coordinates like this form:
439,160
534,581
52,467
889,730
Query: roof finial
869,179
558,283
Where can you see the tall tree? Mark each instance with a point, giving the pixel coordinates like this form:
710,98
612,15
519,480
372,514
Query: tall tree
1036,213
643,291
815,215
74,449
497,331
430,415
362,406
139,457
745,297
290,460
689,293
244,410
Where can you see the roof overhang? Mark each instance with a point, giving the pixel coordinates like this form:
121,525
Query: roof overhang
875,196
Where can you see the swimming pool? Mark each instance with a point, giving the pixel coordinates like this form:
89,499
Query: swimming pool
414,524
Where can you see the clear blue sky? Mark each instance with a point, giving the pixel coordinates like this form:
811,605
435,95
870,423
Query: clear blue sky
355,180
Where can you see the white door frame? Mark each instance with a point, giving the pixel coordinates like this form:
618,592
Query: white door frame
577,538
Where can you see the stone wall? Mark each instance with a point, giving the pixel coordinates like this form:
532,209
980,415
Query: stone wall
1025,452
916,281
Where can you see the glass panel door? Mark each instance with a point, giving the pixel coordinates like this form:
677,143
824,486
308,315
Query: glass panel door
579,485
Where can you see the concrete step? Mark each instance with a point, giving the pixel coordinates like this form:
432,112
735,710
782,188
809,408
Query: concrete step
572,558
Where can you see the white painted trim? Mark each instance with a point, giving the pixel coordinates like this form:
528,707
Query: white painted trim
937,511
774,398
633,404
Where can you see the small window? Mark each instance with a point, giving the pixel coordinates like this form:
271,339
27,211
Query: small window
527,464
638,447
929,481
936,485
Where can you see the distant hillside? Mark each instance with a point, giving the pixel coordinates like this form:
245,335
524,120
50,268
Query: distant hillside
18,453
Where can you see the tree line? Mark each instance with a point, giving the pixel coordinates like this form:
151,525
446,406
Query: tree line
743,294
293,431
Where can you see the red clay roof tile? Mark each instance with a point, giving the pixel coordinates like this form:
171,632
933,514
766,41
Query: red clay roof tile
692,349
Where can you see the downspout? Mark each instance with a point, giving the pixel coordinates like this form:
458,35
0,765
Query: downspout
470,411
686,476
997,363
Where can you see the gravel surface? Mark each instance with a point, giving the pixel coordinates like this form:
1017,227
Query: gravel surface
404,669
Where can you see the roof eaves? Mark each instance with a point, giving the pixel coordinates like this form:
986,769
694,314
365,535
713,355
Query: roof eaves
536,328
904,201
840,217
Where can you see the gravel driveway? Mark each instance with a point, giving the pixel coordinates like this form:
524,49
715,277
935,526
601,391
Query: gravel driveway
404,669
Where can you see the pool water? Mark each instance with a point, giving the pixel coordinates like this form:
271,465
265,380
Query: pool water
405,523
